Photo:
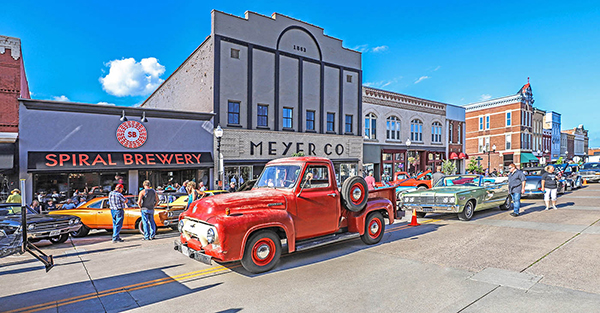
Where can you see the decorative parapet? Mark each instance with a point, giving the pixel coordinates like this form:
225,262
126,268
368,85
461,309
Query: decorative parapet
14,44
494,103
382,97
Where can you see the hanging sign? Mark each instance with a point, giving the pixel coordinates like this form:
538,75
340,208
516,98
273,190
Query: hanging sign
132,134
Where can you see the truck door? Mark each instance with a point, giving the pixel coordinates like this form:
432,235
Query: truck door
318,205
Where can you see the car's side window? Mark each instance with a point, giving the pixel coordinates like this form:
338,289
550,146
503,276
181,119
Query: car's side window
132,202
426,177
95,205
105,204
316,176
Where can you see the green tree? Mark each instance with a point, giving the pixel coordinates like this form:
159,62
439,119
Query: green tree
448,167
474,167
298,154
559,161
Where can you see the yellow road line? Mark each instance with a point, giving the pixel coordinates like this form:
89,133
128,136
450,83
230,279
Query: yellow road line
150,283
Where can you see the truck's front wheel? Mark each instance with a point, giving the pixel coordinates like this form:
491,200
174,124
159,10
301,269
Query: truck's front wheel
262,252
374,228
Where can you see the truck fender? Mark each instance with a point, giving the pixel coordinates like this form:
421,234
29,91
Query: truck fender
290,234
356,221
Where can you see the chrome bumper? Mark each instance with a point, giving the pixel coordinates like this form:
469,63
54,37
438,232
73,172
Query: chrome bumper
436,208
191,253
591,178
46,234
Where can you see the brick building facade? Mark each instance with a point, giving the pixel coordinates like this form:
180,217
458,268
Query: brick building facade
504,123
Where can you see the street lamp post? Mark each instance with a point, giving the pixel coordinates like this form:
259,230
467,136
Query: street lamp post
219,134
408,143
488,153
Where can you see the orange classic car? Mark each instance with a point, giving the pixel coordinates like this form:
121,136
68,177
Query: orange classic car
95,214
422,181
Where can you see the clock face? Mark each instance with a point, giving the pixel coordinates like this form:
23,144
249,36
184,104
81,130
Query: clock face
131,134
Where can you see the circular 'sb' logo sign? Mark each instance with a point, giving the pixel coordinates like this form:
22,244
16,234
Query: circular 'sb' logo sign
132,134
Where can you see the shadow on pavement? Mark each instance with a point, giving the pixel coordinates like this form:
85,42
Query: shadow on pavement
35,268
65,255
111,294
335,250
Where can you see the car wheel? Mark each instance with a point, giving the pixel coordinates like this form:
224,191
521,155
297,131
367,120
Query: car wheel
81,232
355,193
506,205
374,228
139,227
59,239
467,212
262,252
421,214
422,188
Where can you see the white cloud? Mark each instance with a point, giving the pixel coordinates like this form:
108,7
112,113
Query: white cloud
437,68
126,77
105,103
422,78
61,98
379,48
382,83
361,48
485,97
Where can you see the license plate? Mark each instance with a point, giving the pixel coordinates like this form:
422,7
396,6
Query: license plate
54,233
185,250
427,209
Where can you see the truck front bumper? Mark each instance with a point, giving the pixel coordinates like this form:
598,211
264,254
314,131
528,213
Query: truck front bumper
435,208
191,253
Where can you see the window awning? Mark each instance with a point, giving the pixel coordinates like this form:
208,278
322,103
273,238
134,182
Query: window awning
528,157
453,156
463,156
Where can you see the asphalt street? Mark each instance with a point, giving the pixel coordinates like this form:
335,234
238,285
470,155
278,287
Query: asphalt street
541,261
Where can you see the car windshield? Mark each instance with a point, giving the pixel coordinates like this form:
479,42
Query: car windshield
460,180
279,176
591,166
11,210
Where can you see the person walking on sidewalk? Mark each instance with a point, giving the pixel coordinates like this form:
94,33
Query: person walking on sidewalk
147,200
549,186
117,203
516,187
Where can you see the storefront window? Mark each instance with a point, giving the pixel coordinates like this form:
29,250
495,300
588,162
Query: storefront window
65,184
387,156
171,180
344,170
238,175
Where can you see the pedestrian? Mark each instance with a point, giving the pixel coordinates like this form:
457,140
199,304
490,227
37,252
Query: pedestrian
232,187
15,196
549,186
50,205
437,175
147,200
201,186
370,180
183,187
35,207
192,193
117,203
495,173
516,187
69,205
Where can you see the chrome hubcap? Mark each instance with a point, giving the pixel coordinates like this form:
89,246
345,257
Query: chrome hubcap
374,228
356,193
263,251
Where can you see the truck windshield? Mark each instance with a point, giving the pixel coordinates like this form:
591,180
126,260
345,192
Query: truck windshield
279,176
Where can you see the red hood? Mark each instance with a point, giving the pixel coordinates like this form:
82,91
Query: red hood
237,202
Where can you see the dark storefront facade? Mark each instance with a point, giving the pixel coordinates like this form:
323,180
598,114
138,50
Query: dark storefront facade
68,147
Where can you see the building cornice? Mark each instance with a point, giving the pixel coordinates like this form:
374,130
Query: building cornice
74,107
494,103
393,99
12,43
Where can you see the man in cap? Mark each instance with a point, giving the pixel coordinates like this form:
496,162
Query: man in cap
15,196
117,204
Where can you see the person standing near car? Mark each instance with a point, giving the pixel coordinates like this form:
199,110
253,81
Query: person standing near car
117,203
147,200
370,180
549,186
192,193
437,175
516,187
15,196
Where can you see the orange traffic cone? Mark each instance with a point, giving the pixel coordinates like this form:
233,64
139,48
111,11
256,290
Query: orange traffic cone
413,221
585,182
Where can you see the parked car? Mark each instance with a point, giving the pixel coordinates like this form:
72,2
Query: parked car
170,216
591,172
296,199
533,185
95,214
460,194
55,228
571,173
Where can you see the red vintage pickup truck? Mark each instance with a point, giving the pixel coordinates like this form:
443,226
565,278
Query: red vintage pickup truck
296,200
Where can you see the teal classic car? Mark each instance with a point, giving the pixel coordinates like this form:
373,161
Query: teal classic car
461,194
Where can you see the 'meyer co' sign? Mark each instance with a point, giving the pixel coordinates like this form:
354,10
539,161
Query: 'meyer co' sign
117,160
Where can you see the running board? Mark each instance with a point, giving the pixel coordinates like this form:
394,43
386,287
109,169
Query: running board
321,241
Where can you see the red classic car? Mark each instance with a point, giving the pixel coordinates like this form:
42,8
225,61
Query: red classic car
294,199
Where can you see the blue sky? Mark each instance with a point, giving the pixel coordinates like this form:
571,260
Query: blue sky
456,52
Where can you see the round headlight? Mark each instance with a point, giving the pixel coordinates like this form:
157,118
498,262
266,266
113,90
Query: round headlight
445,200
169,214
71,221
180,226
412,199
452,199
405,199
210,235
31,226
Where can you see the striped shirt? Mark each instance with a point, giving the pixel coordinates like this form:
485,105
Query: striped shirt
116,201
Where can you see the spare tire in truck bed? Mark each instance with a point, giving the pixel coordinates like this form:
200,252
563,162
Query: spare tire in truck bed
355,193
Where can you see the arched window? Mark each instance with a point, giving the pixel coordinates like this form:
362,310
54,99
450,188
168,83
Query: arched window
436,132
371,126
416,130
392,127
